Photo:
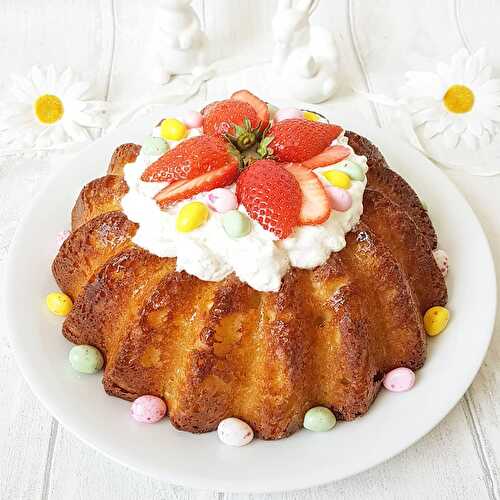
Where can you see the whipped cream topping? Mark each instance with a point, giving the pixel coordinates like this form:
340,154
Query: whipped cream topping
208,252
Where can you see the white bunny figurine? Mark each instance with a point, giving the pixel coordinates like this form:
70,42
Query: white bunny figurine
305,56
178,42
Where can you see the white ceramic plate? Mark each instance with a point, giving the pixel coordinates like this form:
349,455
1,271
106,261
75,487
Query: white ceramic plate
394,422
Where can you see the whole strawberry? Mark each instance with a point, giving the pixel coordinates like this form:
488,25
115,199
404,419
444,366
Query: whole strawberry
189,159
220,118
271,196
296,140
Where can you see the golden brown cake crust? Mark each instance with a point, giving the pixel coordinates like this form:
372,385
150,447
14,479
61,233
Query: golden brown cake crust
383,179
126,153
219,349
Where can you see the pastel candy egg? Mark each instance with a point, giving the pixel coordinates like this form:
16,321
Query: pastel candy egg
340,199
234,432
353,170
319,419
191,216
154,146
148,409
61,237
222,200
399,380
236,224
435,320
59,303
172,129
311,116
338,179
86,359
192,119
288,113
441,258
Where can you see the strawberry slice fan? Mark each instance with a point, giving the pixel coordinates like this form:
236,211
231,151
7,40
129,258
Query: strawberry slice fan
271,163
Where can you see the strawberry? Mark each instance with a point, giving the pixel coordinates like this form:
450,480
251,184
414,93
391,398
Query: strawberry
329,156
271,196
260,106
221,117
181,190
296,140
189,159
315,207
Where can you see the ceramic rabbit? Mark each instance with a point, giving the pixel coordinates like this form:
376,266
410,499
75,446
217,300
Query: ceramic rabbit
178,42
305,56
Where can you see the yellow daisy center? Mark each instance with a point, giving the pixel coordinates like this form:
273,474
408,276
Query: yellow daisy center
459,99
48,109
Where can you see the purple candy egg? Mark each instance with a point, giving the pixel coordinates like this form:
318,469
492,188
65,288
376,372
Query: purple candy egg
399,380
221,200
340,199
148,409
288,113
192,119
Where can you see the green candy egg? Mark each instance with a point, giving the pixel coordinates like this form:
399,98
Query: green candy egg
86,359
155,146
353,170
319,419
236,224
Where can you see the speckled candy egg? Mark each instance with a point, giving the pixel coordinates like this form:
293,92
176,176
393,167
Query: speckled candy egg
319,419
192,119
86,359
221,200
234,432
441,258
148,409
288,113
399,380
155,146
340,199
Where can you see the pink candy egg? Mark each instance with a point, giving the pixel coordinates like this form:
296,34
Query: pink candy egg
340,199
192,119
287,113
441,258
399,380
148,409
61,237
222,200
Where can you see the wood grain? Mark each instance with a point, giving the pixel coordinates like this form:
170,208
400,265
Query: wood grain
105,40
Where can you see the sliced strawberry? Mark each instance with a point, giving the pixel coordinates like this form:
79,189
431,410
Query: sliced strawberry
329,156
259,105
181,190
315,207
189,159
296,140
271,196
221,117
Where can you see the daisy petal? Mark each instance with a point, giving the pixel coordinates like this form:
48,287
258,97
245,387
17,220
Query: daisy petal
51,80
450,138
26,86
65,81
90,120
491,86
470,141
77,133
39,80
77,90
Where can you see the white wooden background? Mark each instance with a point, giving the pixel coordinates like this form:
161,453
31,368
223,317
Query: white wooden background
104,40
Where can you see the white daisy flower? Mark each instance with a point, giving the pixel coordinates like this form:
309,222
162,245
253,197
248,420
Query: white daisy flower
460,101
48,109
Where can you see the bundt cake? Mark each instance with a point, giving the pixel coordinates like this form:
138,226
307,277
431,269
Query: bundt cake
239,345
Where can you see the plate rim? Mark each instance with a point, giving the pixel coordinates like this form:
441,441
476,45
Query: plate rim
35,384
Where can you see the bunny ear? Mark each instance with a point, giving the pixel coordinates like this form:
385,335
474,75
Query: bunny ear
285,4
307,5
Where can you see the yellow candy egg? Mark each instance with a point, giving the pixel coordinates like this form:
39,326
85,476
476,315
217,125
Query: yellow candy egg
312,117
338,179
172,129
435,320
59,303
191,216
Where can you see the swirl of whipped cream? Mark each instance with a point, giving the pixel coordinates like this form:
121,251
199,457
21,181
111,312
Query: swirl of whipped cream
259,259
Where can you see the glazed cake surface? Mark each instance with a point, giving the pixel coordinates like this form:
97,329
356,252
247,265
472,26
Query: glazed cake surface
217,349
